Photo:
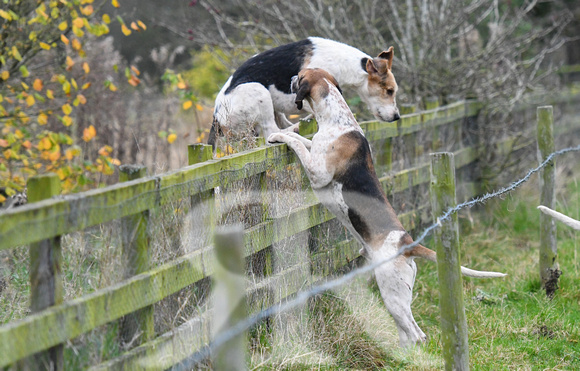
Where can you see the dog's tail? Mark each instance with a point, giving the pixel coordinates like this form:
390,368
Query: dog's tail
421,251
572,223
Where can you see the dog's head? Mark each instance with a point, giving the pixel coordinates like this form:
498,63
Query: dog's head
382,87
312,84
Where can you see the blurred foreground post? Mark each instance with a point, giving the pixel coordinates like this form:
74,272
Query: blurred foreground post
229,298
137,327
549,272
453,322
45,272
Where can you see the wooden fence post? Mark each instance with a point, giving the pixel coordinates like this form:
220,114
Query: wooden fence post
136,255
45,272
453,322
549,272
230,297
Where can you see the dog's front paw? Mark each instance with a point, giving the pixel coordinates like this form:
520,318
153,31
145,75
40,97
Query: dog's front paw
276,138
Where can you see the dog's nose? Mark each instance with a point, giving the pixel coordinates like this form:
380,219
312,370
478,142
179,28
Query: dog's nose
396,116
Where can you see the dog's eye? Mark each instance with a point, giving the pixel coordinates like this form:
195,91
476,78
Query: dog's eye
390,91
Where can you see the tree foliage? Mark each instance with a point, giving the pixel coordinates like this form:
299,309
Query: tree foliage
44,80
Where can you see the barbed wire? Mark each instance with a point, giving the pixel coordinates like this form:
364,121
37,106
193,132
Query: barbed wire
302,297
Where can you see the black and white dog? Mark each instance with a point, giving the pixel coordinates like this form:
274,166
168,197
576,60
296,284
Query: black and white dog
258,96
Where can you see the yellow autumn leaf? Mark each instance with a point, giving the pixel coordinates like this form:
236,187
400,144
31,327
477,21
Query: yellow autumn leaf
45,144
66,87
44,46
63,25
115,3
64,39
53,156
86,85
30,100
76,44
135,70
2,199
87,10
82,99
4,143
16,54
181,85
112,87
106,18
37,85
126,31
187,105
199,107
171,138
18,134
69,63
5,75
78,22
86,67
49,94
4,14
67,121
142,25
42,119
66,109
89,133
134,26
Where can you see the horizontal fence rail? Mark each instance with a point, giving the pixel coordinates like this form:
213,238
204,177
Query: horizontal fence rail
71,213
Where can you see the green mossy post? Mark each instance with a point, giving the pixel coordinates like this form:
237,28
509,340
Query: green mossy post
138,325
230,297
446,238
549,272
45,273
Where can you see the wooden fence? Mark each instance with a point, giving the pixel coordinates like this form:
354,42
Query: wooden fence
401,156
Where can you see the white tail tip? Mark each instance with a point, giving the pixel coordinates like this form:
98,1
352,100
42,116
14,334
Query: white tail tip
481,274
572,223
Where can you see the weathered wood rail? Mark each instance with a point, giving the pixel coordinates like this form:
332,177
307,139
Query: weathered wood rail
399,175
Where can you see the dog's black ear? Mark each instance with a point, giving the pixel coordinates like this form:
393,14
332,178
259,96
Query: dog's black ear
388,55
303,92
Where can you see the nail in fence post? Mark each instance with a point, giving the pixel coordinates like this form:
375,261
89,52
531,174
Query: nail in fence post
549,272
229,297
45,272
453,322
136,256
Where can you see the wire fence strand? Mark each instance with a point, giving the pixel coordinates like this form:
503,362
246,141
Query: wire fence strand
302,297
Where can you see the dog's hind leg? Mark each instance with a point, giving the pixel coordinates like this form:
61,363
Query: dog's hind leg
251,106
395,280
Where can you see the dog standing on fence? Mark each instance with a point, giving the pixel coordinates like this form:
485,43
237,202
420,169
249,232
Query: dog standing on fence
339,165
258,94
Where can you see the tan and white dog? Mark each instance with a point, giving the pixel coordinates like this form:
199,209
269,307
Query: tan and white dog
258,96
339,165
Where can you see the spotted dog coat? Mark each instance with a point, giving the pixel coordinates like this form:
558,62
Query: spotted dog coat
339,165
258,94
